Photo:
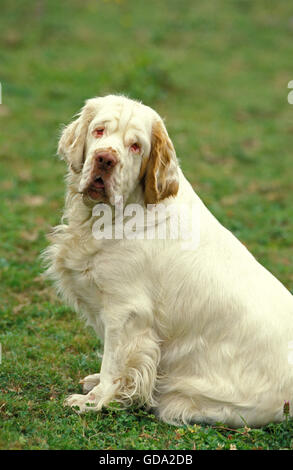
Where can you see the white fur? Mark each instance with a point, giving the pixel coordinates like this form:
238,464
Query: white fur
199,335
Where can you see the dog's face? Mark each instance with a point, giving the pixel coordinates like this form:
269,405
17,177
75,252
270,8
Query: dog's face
117,144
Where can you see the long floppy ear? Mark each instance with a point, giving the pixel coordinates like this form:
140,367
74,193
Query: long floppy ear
161,179
72,142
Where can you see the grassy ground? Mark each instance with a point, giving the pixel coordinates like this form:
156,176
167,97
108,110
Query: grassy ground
218,72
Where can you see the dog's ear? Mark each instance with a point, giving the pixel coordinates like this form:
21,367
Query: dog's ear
159,173
71,145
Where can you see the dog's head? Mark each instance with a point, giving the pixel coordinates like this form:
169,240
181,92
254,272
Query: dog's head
115,145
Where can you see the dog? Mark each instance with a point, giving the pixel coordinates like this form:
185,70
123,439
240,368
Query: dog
198,333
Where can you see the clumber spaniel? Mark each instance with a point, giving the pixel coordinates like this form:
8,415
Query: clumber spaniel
200,333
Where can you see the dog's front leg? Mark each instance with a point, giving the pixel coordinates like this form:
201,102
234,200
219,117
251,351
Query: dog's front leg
129,367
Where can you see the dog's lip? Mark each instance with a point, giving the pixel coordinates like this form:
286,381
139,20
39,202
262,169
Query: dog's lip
98,183
97,189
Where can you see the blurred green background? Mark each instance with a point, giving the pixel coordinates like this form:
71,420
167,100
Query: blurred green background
218,72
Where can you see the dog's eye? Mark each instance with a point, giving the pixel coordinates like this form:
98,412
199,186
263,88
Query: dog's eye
99,132
135,147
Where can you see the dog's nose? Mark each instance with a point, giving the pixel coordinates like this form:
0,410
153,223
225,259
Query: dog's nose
105,160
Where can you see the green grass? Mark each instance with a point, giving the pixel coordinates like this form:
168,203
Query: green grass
218,72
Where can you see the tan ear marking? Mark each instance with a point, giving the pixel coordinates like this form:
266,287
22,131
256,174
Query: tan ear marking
160,172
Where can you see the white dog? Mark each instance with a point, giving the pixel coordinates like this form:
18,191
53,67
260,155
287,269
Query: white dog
201,334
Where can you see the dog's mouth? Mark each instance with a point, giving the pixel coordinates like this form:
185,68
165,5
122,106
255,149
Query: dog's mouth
97,189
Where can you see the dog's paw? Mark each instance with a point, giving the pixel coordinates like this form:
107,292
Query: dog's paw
89,382
83,403
101,395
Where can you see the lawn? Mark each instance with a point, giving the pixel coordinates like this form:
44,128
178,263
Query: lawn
218,72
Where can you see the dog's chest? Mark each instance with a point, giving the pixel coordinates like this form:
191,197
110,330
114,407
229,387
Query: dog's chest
76,270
